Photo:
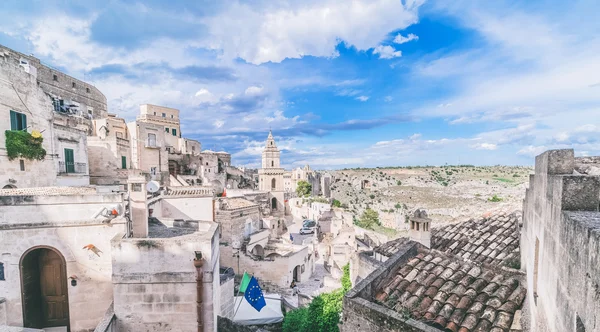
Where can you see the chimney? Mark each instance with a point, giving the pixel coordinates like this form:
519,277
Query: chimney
419,228
138,205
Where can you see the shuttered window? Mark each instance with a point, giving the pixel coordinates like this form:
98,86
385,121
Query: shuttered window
18,121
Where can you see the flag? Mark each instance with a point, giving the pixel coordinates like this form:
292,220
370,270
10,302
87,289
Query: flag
244,283
254,295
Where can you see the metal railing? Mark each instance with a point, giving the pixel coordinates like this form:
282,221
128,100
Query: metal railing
69,167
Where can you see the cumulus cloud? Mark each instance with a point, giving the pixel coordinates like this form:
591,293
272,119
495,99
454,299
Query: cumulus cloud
484,146
387,52
362,98
400,39
254,91
265,33
531,151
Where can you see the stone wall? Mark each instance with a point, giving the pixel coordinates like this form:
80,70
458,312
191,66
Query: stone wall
187,208
155,282
19,92
359,314
91,296
2,311
362,265
227,303
560,245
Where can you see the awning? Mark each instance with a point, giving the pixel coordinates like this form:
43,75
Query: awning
247,315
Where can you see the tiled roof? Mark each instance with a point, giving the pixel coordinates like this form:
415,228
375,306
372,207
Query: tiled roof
391,247
453,295
48,191
491,240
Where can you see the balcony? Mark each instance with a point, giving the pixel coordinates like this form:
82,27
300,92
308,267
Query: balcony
150,144
156,118
71,168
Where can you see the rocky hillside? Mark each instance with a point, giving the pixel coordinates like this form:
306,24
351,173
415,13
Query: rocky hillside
448,193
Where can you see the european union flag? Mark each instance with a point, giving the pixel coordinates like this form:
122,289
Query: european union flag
254,295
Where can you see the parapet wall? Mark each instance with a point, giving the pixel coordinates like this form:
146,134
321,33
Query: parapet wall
560,243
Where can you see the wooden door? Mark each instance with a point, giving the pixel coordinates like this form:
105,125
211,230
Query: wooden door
53,286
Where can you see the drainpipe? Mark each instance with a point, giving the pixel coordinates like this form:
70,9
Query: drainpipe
198,263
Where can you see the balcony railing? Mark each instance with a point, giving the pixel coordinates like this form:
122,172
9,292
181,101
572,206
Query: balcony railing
68,167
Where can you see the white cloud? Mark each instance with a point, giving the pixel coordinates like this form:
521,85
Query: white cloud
415,136
388,98
484,146
401,39
205,96
531,151
362,98
218,123
254,91
387,52
263,32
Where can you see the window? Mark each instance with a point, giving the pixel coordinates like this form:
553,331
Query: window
87,90
54,77
2,271
166,129
171,116
119,134
123,162
152,140
152,170
174,131
193,148
73,85
154,113
164,115
22,164
18,121
272,163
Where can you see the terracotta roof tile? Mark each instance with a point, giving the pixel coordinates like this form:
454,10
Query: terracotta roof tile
490,239
480,299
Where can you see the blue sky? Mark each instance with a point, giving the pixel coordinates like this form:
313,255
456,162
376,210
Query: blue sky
340,83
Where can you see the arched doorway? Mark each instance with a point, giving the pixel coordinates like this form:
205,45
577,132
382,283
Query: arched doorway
297,273
259,251
274,203
44,291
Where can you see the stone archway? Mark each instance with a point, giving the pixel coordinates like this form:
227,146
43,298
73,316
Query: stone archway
259,251
9,186
297,273
45,298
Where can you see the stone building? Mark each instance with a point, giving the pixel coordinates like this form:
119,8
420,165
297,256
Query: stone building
148,152
71,95
560,242
27,107
55,251
109,151
270,176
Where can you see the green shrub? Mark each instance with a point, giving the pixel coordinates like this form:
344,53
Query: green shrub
398,183
21,144
495,198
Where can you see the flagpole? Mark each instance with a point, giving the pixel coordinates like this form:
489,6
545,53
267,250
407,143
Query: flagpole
239,304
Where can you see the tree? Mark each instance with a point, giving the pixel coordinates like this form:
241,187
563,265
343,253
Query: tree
304,188
336,203
369,218
323,313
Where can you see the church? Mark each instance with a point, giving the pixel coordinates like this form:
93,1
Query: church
271,176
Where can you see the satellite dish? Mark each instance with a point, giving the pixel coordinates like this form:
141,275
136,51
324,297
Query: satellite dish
152,186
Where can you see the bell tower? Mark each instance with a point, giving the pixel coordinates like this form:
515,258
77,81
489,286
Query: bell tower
270,176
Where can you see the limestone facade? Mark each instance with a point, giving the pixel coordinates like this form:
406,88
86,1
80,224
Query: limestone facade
109,151
560,242
62,132
64,222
